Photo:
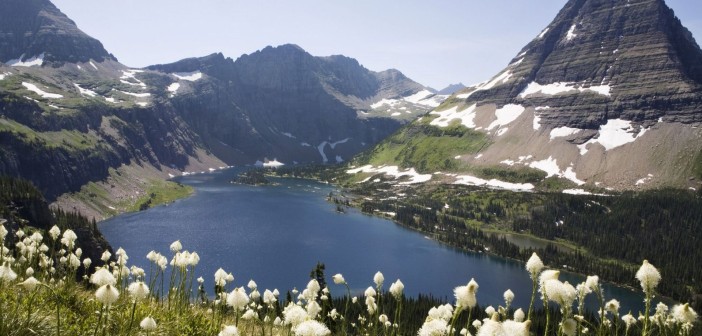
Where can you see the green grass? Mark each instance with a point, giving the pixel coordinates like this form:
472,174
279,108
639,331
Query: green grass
161,192
68,139
427,148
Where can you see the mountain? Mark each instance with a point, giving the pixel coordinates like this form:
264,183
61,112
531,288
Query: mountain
451,89
36,31
283,103
99,137
607,96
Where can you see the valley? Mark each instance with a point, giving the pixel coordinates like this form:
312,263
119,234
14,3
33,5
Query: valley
583,155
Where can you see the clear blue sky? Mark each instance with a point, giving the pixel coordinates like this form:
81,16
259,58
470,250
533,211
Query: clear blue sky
433,42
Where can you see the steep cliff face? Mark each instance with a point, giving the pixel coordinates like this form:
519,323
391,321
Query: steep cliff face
35,30
283,103
607,96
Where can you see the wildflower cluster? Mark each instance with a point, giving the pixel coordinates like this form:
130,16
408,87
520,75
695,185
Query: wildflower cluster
127,300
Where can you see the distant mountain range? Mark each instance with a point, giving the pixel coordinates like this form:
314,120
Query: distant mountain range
607,97
73,118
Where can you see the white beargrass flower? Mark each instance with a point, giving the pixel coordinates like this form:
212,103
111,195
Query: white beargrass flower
254,295
69,238
252,285
6,273
220,277
534,266
519,315
313,309
294,314
396,289
629,320
612,306
107,294
269,298
490,310
311,328
592,282
370,292
30,283
477,324
238,299
682,313
433,327
514,328
382,318
105,256
465,296
138,290
569,327
3,232
649,277
229,331
73,261
339,279
491,327
176,246
148,324
54,232
560,292
313,287
200,280
36,237
103,277
248,315
509,297
371,306
378,278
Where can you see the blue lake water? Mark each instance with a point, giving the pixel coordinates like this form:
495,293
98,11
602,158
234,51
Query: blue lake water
275,235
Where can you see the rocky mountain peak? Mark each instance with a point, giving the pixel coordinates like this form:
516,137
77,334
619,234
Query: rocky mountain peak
629,58
608,95
38,30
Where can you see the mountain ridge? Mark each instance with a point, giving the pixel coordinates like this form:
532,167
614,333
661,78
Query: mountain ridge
607,96
97,136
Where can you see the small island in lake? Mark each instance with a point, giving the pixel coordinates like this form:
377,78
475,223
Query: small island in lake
254,177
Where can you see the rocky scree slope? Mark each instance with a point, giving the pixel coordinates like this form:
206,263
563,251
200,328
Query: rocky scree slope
607,96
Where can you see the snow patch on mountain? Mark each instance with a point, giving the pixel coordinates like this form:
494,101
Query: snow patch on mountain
615,133
550,166
562,87
173,88
506,115
466,116
42,93
85,92
394,171
571,33
188,76
493,183
30,62
564,131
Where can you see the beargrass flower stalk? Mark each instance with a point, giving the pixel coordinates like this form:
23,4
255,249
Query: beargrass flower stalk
339,279
238,300
629,320
534,266
396,290
544,277
148,324
649,277
229,331
137,291
685,316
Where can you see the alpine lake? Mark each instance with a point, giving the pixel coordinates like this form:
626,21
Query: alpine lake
276,234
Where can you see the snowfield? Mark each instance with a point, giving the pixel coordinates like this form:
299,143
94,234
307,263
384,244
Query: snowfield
42,93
